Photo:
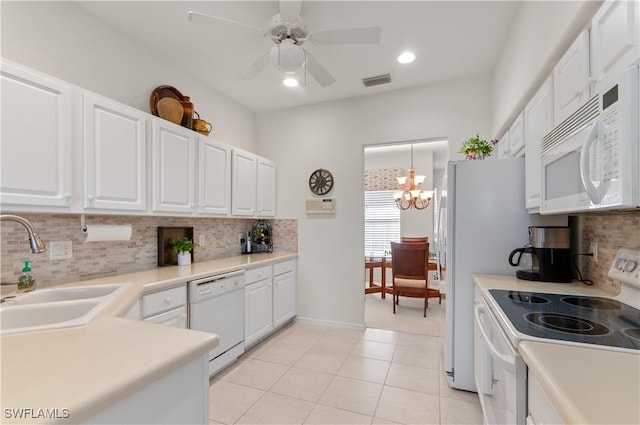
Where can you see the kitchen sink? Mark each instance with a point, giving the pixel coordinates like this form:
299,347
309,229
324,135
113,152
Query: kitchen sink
35,317
66,294
56,308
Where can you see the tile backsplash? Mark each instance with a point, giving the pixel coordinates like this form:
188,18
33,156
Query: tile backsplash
93,259
611,231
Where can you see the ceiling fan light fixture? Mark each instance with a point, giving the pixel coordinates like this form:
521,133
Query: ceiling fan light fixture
290,82
406,57
288,56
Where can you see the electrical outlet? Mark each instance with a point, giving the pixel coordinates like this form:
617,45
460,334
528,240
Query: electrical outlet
593,248
62,250
201,240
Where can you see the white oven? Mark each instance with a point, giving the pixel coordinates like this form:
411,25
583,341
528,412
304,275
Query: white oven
500,372
590,160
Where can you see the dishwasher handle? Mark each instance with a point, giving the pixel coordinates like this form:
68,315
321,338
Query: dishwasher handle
216,278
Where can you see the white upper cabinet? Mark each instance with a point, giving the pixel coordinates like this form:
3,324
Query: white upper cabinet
244,172
115,155
538,121
571,79
36,161
516,137
503,146
214,177
615,40
174,153
266,188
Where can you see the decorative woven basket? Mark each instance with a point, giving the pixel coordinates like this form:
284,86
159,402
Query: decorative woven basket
170,109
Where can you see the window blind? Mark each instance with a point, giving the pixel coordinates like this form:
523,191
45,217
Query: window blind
381,222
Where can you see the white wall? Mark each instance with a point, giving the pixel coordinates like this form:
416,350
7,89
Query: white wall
332,136
64,41
539,35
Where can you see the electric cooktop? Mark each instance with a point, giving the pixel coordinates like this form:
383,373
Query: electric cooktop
571,318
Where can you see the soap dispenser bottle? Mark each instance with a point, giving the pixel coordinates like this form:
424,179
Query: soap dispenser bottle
26,282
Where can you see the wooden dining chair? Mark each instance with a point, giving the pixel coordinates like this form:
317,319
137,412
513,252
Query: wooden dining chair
410,272
414,239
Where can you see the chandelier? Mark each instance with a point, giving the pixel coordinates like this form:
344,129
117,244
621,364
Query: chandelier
410,194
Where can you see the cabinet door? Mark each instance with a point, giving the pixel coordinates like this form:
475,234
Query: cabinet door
538,122
244,180
36,139
214,177
516,137
615,40
284,298
571,79
115,155
266,188
258,312
175,318
503,146
174,150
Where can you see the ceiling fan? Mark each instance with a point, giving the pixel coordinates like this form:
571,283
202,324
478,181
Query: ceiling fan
288,32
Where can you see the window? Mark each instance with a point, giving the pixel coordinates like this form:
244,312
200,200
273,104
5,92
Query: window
381,222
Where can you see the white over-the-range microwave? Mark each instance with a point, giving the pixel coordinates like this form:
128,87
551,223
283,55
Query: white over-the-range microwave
590,161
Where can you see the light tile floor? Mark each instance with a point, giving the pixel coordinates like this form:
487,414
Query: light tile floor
308,374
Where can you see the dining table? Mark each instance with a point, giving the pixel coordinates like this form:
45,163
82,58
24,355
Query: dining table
383,263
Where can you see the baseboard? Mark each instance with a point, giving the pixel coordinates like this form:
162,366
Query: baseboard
329,323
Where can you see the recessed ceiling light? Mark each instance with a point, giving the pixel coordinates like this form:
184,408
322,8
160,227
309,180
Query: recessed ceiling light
406,57
290,82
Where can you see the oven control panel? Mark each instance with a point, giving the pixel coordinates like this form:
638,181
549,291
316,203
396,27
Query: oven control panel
626,267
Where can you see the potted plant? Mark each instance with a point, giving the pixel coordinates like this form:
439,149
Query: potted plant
183,247
476,148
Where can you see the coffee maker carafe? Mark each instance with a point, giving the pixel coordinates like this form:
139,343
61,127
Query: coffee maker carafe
552,246
526,262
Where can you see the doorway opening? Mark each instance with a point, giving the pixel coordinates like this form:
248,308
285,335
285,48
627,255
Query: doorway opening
384,222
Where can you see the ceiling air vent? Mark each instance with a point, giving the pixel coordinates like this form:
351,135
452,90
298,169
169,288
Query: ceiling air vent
377,80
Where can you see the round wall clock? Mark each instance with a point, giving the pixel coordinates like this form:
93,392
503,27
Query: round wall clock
321,181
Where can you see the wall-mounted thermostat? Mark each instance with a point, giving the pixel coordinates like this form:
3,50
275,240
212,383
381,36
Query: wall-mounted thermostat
321,206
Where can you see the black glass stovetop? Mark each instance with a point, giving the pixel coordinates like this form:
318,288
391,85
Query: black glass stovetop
572,318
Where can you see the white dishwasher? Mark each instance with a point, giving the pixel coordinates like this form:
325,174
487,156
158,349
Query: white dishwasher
216,305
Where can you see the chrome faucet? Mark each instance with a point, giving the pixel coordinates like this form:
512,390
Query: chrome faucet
37,246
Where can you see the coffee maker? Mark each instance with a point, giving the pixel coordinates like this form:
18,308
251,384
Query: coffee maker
547,257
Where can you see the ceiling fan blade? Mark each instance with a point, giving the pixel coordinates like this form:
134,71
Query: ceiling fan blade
204,19
257,67
290,11
366,35
318,72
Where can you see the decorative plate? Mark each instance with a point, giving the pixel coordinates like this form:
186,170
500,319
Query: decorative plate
321,181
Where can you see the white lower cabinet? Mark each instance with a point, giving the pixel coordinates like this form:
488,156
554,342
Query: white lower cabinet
167,307
270,299
539,408
258,311
179,397
284,292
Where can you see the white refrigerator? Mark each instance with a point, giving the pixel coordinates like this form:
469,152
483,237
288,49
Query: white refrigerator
486,220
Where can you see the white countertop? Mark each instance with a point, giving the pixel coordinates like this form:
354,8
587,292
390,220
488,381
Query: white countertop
88,368
584,385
